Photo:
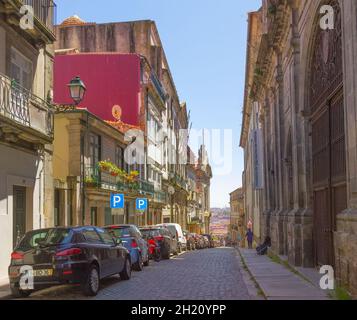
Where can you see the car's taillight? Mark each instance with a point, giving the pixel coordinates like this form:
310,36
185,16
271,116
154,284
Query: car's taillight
17,256
69,252
134,244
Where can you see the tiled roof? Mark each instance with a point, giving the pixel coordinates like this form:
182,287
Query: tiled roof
73,21
122,126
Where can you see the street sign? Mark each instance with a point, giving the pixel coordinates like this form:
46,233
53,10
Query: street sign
141,204
117,201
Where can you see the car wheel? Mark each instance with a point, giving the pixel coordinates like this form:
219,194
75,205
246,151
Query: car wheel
165,254
147,262
90,286
125,274
139,265
18,293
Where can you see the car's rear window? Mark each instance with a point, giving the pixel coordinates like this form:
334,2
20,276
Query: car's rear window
150,232
172,229
48,237
120,232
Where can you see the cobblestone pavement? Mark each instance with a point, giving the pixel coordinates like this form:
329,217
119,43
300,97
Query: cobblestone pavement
210,274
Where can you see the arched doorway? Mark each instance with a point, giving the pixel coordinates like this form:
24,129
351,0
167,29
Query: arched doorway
328,136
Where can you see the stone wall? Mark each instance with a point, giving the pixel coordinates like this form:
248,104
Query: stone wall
282,89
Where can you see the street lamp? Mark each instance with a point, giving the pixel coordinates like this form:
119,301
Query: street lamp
77,90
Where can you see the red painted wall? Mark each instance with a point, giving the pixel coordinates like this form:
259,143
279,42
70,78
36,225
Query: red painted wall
111,79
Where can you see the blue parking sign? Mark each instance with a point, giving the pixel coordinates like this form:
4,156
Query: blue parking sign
141,204
117,201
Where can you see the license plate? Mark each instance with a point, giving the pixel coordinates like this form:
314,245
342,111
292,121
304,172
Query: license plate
43,273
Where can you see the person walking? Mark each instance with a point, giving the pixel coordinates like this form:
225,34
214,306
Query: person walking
249,236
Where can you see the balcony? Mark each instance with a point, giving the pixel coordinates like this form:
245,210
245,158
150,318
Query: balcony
45,12
94,178
21,109
159,88
146,188
160,197
44,17
180,182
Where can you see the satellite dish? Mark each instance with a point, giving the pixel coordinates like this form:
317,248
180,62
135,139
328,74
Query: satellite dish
116,112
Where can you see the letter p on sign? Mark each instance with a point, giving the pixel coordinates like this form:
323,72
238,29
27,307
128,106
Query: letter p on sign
141,204
117,201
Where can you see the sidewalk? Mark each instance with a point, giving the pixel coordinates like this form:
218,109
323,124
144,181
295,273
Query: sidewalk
5,292
277,282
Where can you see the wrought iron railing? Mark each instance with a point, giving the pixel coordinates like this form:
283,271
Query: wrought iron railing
45,11
180,182
158,86
146,187
21,106
96,178
160,196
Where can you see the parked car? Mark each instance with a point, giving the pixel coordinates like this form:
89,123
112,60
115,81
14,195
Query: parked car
168,245
76,255
210,239
177,232
132,239
198,241
206,242
190,238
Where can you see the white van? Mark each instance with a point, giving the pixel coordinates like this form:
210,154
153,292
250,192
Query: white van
176,230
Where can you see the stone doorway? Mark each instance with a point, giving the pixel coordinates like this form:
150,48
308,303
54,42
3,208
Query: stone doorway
327,137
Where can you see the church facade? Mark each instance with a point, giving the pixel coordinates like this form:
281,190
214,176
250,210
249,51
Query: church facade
301,98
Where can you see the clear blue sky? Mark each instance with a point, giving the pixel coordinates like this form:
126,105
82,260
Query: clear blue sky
205,44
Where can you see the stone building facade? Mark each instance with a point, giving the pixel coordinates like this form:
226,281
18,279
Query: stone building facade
237,222
303,82
26,124
253,193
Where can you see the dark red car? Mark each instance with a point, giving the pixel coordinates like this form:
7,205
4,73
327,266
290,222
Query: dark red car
163,238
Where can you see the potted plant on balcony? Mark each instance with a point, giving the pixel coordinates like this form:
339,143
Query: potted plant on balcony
90,182
132,180
104,165
114,170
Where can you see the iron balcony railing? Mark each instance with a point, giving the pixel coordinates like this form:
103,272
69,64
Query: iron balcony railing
160,196
104,180
180,182
159,88
45,11
21,106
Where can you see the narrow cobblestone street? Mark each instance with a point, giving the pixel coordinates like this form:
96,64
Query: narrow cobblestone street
210,274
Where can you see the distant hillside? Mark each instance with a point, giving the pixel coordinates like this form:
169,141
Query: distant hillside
220,221
221,211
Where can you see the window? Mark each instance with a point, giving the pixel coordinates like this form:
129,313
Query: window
47,237
78,238
107,238
21,69
119,157
91,236
94,149
121,232
93,216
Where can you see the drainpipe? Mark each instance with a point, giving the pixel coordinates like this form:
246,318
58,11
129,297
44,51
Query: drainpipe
41,174
83,169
